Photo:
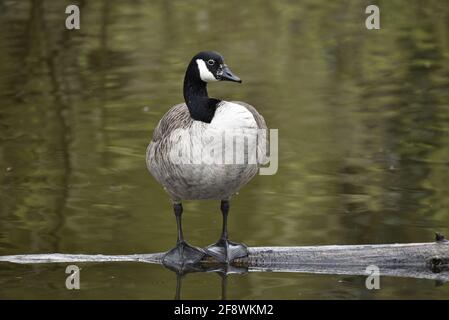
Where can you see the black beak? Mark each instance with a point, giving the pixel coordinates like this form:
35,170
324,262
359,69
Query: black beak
227,75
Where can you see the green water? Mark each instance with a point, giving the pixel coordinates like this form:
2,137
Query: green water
363,119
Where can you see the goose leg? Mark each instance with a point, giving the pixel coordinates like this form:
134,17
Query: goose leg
179,277
226,251
183,253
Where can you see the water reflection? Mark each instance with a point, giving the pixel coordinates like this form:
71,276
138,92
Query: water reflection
223,271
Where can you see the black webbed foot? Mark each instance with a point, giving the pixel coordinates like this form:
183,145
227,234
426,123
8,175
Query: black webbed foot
183,254
225,251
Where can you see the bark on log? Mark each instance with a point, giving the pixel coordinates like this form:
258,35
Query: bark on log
415,260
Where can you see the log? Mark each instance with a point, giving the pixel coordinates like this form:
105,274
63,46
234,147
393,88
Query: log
414,260
155,258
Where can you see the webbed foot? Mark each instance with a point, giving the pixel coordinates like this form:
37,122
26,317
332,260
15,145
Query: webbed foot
225,251
183,254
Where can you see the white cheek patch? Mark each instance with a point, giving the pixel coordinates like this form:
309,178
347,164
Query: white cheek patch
205,74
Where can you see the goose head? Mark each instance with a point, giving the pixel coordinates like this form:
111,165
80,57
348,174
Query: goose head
210,67
206,66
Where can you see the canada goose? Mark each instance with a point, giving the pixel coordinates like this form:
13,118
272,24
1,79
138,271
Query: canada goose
199,117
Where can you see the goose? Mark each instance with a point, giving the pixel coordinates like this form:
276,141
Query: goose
200,117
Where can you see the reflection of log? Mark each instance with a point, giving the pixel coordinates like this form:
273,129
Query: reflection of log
415,260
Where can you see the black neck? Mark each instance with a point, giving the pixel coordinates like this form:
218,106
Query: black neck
201,107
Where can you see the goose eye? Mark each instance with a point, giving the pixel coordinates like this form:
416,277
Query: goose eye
210,62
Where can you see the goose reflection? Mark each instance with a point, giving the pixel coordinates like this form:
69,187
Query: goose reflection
223,272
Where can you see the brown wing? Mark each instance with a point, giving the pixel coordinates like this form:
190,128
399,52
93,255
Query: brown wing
177,117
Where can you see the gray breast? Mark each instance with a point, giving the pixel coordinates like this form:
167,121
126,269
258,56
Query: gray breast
186,181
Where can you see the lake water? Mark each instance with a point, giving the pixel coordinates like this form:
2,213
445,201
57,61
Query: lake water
363,120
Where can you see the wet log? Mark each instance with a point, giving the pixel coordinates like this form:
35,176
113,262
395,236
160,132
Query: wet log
416,260
413,260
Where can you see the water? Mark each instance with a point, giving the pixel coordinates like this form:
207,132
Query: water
363,131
